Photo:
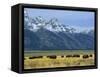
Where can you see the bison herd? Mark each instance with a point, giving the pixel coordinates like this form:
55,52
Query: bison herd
85,56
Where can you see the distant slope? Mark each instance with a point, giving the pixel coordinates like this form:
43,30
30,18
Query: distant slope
40,34
44,40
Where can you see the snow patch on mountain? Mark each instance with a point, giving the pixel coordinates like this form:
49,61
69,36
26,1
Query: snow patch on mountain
34,24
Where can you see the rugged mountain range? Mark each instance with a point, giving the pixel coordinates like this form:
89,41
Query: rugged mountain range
41,34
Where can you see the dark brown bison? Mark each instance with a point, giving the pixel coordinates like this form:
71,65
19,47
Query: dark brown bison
90,55
85,56
69,56
62,56
76,55
34,57
52,57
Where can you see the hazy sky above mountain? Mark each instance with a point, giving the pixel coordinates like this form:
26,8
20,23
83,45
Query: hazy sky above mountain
81,20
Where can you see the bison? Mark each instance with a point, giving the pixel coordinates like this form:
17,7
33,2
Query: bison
76,55
62,56
85,56
91,55
34,57
52,57
69,56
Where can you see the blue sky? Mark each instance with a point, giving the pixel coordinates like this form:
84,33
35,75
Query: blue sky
81,20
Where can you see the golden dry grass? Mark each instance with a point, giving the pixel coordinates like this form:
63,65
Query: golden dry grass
58,62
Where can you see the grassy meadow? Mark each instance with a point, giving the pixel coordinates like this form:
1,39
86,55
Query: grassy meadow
58,58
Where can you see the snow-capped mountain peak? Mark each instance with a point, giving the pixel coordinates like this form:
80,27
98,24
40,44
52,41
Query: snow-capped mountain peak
34,24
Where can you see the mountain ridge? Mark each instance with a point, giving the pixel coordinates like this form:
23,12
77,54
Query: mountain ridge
40,34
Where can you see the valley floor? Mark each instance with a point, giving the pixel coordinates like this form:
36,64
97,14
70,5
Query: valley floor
58,59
